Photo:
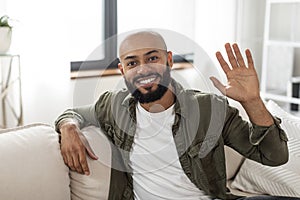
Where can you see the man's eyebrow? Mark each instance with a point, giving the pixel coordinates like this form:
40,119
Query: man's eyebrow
129,57
148,53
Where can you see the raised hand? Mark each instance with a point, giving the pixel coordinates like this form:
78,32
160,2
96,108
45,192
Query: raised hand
242,81
242,84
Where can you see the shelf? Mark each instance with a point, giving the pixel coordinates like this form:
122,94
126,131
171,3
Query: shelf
281,32
280,98
276,91
295,79
284,1
282,43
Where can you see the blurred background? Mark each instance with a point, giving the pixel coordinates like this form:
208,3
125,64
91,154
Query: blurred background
48,35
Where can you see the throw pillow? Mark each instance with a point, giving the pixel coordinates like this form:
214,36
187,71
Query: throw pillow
283,180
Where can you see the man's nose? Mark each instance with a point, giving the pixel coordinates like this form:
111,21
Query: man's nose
142,69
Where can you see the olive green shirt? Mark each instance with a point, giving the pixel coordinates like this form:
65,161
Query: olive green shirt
203,124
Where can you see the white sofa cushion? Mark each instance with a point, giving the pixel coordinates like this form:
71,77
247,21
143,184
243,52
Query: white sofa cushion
233,162
283,180
96,185
31,166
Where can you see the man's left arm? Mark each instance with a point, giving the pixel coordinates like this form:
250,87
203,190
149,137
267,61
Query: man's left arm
243,86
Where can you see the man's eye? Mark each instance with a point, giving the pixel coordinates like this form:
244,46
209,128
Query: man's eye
153,58
131,64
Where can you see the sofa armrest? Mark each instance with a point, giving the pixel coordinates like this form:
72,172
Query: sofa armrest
31,165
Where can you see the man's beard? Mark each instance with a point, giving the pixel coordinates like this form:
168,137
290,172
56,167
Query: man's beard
162,87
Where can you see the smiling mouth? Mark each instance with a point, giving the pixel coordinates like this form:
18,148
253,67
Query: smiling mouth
146,81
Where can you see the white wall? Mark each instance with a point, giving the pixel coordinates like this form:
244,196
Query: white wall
250,28
2,7
241,21
215,24
175,15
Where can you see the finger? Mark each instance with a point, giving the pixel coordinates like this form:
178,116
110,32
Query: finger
222,62
90,152
88,148
84,164
70,163
218,85
230,55
65,159
238,55
77,165
249,59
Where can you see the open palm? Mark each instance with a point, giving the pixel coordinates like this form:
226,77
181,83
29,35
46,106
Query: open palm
242,81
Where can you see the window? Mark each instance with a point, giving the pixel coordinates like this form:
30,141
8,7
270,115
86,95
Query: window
102,56
135,14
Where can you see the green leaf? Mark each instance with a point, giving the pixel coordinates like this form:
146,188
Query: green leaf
4,21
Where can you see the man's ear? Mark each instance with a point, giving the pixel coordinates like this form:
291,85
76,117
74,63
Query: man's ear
120,66
170,59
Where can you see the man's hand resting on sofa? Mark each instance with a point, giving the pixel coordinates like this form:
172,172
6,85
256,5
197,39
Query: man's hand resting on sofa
74,147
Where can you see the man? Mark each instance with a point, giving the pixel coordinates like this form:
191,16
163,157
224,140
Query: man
169,142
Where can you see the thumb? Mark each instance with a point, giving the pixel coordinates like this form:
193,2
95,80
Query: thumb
218,85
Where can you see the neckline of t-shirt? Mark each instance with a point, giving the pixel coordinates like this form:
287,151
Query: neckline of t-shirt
164,113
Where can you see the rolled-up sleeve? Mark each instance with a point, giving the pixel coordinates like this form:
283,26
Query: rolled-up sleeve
258,133
267,145
83,116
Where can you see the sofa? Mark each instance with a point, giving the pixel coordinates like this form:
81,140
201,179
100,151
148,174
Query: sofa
31,166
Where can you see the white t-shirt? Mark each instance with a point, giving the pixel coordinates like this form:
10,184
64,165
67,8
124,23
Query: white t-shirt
157,173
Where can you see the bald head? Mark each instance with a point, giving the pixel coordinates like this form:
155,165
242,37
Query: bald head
142,40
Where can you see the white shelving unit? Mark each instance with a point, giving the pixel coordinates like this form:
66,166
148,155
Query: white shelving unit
281,40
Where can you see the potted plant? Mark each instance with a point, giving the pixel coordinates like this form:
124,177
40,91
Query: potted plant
5,34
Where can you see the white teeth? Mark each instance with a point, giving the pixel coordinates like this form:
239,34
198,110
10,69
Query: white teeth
146,81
